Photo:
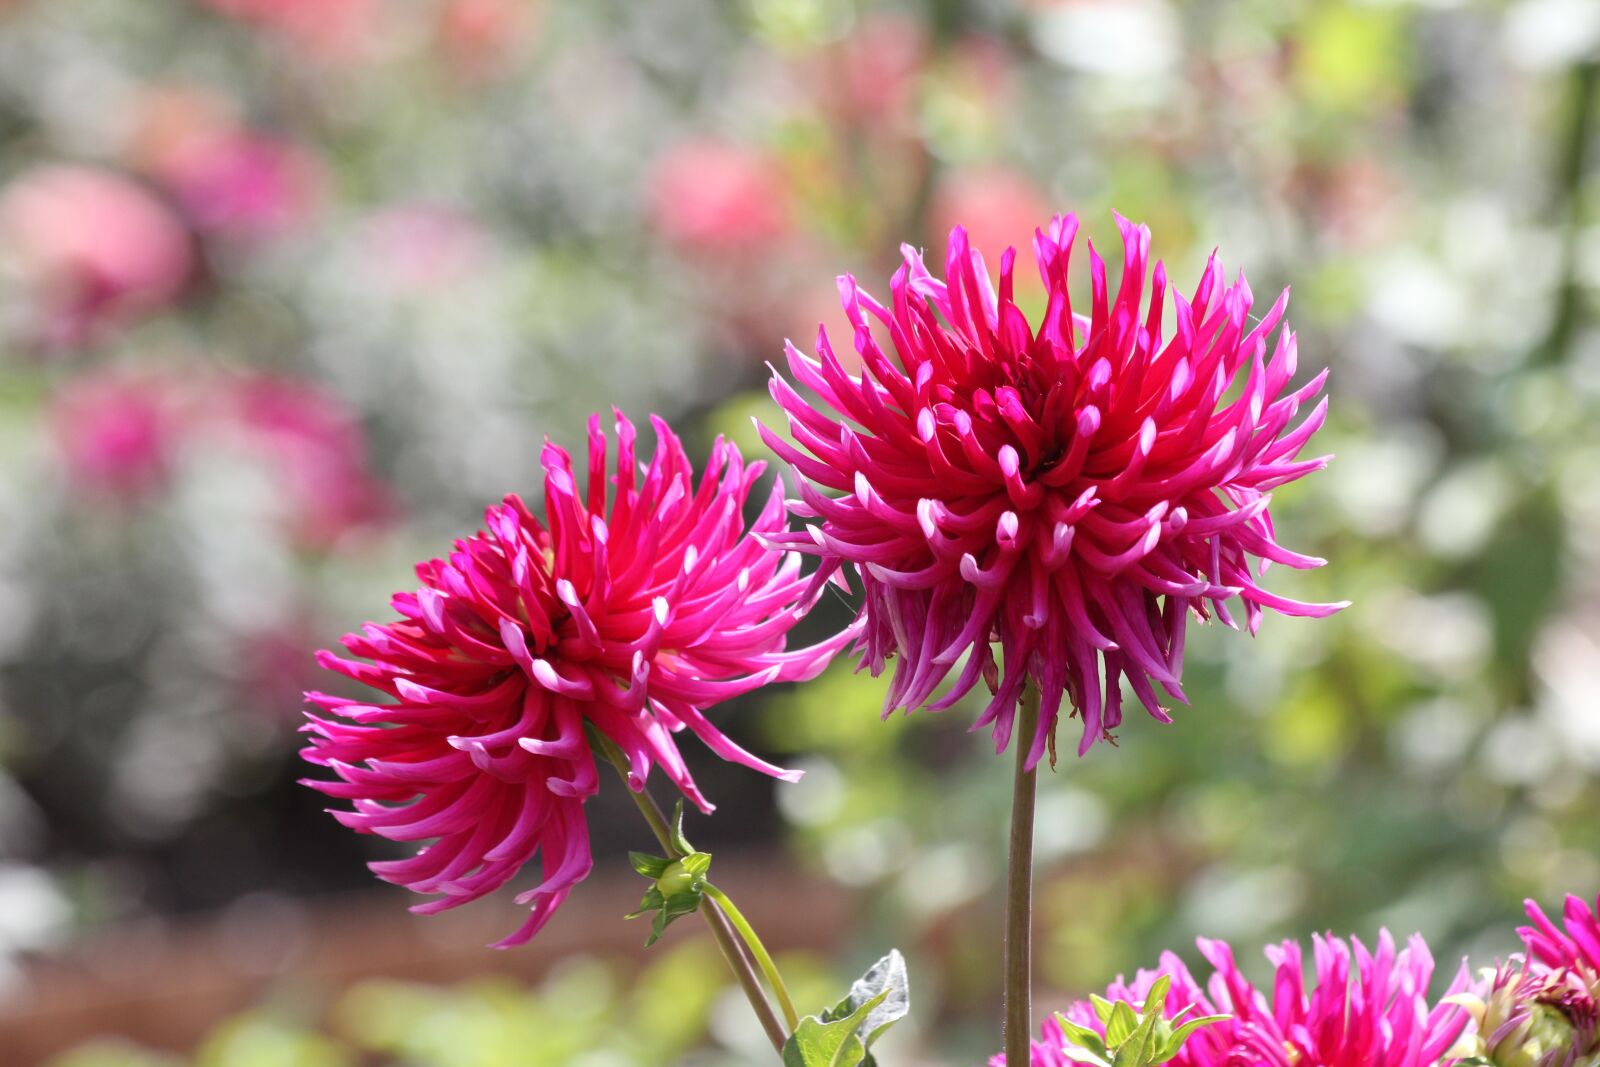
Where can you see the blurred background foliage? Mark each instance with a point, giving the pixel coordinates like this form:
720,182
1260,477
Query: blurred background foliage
291,289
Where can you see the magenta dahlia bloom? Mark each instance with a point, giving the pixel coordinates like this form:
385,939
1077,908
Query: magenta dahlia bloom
1576,946
1073,490
1362,1009
628,612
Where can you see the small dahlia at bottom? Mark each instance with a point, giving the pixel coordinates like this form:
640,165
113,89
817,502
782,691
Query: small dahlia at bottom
1072,491
1361,1009
640,602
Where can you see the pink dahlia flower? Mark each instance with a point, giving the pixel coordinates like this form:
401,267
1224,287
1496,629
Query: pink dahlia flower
1578,945
1363,1009
627,613
1073,490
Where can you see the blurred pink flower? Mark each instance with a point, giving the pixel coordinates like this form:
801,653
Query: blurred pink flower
1362,1009
718,197
94,249
628,613
870,77
120,433
227,177
997,206
482,39
313,445
245,184
1073,492
116,432
421,247
328,29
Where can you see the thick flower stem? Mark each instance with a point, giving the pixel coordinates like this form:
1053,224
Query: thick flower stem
721,929
759,951
1019,888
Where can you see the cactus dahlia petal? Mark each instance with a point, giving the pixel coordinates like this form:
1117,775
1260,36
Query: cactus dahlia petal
1073,489
629,612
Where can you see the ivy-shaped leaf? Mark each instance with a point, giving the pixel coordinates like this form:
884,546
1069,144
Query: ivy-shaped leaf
887,976
819,1042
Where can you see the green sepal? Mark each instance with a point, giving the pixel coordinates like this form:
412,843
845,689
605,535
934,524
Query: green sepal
648,865
1133,1038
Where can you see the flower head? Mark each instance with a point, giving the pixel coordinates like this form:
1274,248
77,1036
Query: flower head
1363,1009
1537,1017
628,612
1074,491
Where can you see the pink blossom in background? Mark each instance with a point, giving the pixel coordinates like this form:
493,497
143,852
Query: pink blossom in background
1361,1009
717,197
483,39
121,434
227,178
116,432
421,247
93,248
633,608
1073,491
327,29
314,448
870,78
245,184
997,206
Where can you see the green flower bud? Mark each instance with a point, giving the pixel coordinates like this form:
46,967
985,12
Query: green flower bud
678,879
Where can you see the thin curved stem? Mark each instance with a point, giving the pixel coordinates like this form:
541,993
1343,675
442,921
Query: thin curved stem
1019,887
759,951
721,929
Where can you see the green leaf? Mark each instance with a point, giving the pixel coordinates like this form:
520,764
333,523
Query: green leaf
819,1042
887,985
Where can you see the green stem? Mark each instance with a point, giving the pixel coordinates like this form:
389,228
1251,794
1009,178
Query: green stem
759,951
721,929
1019,887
